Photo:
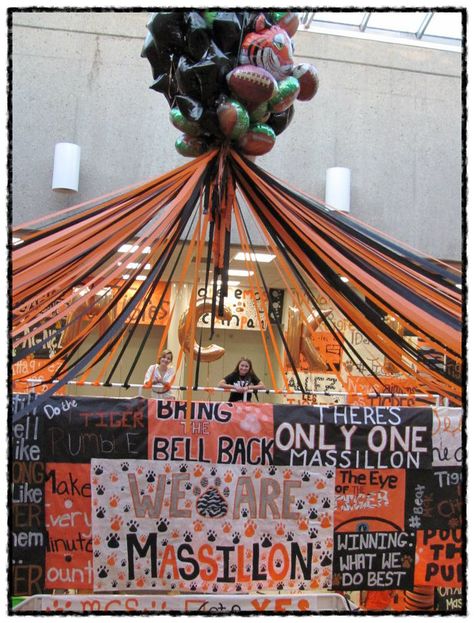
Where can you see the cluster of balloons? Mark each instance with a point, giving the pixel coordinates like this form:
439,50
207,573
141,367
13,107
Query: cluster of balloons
227,76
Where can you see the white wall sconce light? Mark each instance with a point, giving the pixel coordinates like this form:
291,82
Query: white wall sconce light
67,159
338,188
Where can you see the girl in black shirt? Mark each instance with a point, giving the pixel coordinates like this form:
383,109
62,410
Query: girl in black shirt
242,381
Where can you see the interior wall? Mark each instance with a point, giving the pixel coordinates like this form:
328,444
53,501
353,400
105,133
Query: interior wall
390,112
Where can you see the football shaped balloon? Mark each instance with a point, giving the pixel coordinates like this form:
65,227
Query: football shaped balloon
229,77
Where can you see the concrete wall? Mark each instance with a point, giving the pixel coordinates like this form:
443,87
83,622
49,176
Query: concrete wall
391,113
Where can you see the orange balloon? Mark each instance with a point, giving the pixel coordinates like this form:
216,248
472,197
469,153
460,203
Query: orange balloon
205,353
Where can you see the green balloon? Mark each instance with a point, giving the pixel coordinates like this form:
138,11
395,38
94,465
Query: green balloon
181,123
209,17
190,146
288,89
260,114
277,15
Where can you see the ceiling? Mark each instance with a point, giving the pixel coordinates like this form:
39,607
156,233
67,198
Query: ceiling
432,28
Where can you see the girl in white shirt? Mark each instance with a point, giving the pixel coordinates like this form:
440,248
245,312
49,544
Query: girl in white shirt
160,375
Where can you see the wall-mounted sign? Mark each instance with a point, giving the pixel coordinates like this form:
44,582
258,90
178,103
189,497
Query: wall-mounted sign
247,307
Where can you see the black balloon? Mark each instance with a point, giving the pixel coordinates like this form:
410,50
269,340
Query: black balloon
226,30
187,79
190,108
280,121
167,30
197,35
223,61
159,60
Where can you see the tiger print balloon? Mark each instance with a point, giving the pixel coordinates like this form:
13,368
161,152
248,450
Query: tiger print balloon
271,49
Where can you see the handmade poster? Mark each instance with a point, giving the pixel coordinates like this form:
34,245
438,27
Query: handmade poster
220,432
447,437
349,436
35,374
177,604
399,385
439,558
369,500
247,307
313,382
373,560
434,499
204,527
150,315
27,535
449,599
81,428
68,522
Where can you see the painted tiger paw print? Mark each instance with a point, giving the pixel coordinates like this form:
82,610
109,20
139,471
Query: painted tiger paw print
126,508
236,536
111,560
266,540
300,504
280,529
312,513
227,527
272,470
198,471
228,476
187,536
287,474
116,523
305,476
330,474
301,586
100,512
290,536
302,524
313,533
326,503
113,501
188,485
312,498
326,558
198,525
114,583
98,470
124,466
183,467
113,477
257,473
326,520
150,476
250,527
97,553
320,483
213,471
238,587
162,524
280,586
244,512
243,471
100,490
113,540
193,586
102,571
233,568
164,542
278,563
211,536
133,525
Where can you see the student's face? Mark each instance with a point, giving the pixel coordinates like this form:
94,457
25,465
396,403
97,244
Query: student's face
166,359
244,367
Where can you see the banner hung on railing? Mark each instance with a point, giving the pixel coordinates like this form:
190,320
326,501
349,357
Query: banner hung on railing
113,494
